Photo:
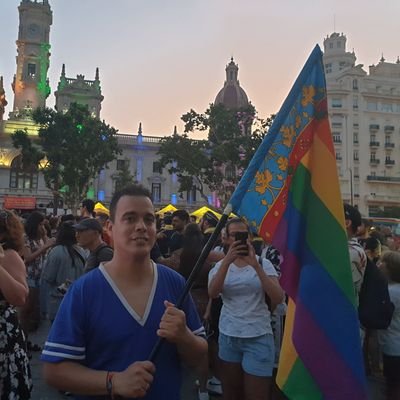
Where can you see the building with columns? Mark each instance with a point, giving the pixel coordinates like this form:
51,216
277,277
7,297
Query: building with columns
364,111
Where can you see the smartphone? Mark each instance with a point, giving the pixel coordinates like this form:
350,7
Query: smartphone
242,236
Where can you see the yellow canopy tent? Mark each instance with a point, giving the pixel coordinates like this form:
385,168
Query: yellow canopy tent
99,208
201,211
168,208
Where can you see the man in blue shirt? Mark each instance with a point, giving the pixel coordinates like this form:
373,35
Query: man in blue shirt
111,318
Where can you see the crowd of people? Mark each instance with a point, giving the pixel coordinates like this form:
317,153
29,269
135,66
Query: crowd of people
108,282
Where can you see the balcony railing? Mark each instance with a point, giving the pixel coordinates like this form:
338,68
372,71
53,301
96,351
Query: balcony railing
374,127
374,161
389,128
383,178
337,140
374,144
389,145
389,162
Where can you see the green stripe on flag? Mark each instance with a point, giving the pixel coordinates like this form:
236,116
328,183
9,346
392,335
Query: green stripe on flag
323,232
300,385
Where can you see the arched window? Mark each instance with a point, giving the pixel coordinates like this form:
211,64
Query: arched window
23,178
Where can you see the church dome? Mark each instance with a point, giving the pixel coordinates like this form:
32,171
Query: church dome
232,96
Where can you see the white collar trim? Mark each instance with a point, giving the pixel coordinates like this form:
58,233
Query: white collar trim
132,312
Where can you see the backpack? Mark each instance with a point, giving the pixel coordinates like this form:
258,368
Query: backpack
375,310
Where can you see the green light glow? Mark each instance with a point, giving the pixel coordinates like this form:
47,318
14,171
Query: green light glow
90,193
43,84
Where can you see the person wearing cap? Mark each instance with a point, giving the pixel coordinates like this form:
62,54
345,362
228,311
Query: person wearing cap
88,236
358,257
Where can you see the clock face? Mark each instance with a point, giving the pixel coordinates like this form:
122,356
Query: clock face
33,31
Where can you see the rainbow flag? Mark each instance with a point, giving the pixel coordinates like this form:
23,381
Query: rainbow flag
290,194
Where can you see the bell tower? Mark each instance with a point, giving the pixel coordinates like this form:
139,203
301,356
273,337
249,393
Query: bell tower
31,85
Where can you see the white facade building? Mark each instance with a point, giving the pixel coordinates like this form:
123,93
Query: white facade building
364,110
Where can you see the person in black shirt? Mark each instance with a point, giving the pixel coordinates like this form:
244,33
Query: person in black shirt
180,218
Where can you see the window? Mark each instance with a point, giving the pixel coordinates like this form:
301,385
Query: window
356,173
23,178
342,65
230,172
191,195
31,70
328,68
122,164
372,106
331,45
336,103
336,137
373,155
156,192
386,107
387,139
355,137
338,156
355,84
355,126
373,138
355,155
355,103
157,167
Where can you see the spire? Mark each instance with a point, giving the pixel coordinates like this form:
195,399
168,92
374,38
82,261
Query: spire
175,130
97,77
1,83
232,72
63,71
382,59
140,129
398,60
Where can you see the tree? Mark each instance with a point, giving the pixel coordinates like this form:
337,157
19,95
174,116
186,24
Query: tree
124,177
219,161
71,148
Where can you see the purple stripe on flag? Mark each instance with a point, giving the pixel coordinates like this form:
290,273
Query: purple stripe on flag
319,356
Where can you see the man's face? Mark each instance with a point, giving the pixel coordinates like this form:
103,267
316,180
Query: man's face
86,237
134,227
178,224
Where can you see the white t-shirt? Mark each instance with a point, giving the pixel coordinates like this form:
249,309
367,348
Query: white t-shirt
244,312
389,338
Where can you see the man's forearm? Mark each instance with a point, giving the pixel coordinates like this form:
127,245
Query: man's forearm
76,378
192,348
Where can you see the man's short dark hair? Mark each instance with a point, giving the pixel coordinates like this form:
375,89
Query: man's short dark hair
132,190
89,205
351,213
183,215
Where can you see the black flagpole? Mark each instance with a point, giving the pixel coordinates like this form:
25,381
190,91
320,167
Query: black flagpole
195,272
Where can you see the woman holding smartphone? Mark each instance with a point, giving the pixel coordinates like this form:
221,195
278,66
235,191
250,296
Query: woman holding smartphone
246,344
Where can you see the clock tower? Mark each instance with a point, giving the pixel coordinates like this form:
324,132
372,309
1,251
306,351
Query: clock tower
31,85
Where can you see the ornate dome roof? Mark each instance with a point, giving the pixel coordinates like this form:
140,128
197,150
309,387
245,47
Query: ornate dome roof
232,96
